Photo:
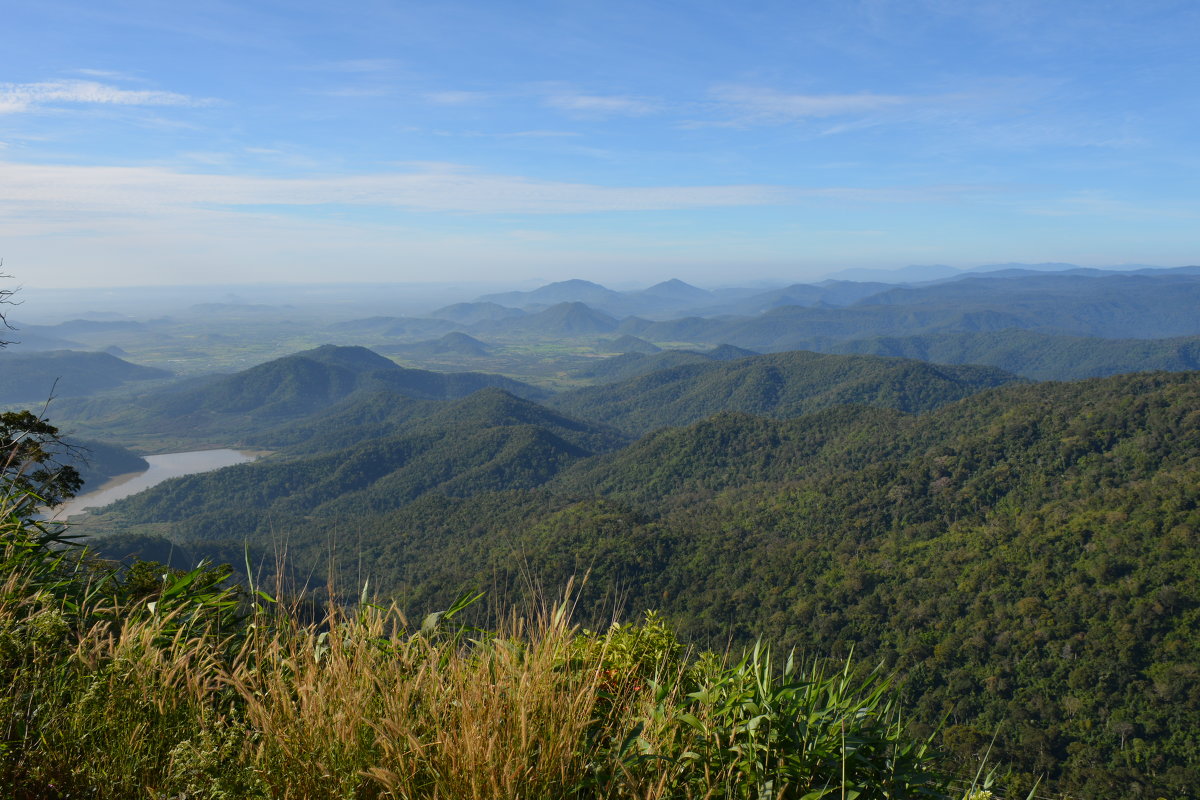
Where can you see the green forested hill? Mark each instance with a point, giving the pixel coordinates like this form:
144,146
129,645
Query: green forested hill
34,377
634,363
777,385
488,441
1023,559
734,449
362,416
271,394
99,461
1041,356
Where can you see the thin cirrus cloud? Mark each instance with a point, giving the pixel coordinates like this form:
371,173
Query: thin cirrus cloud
107,74
579,103
457,98
555,97
751,103
67,189
18,97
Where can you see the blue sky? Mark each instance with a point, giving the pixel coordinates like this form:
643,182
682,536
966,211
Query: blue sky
624,142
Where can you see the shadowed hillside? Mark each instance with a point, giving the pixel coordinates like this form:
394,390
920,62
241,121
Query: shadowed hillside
273,393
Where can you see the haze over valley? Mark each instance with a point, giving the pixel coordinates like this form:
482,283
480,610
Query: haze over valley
600,400
810,462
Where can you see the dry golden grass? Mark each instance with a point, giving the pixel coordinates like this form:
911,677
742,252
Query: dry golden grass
127,697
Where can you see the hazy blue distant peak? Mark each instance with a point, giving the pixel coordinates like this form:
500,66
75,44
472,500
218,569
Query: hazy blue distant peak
918,273
922,273
453,343
1051,266
574,317
675,289
571,291
470,313
913,273
574,283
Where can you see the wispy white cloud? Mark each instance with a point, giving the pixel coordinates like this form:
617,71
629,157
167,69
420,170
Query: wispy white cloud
18,97
433,188
765,104
1094,203
457,98
208,158
108,75
899,195
596,104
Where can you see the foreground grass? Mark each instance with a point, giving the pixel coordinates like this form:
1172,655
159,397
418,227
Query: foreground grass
152,684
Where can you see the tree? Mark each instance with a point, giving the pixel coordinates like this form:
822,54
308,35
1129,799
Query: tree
30,472
29,449
6,299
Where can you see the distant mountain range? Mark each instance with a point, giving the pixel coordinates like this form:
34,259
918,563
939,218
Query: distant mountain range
1051,321
1146,306
921,273
1035,297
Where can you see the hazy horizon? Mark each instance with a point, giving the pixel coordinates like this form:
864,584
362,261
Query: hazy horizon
884,274
143,144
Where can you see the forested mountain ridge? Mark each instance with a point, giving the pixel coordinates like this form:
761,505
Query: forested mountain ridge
273,393
1040,356
1018,554
778,385
1029,354
487,441
36,377
1023,559
641,361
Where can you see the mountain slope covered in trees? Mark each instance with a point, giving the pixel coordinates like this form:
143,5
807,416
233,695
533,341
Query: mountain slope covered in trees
273,393
778,385
488,441
1040,356
1023,559
1021,556
36,377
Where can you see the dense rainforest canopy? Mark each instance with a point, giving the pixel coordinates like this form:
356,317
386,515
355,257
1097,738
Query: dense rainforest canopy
1022,558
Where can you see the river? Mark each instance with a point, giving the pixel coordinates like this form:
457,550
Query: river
162,467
